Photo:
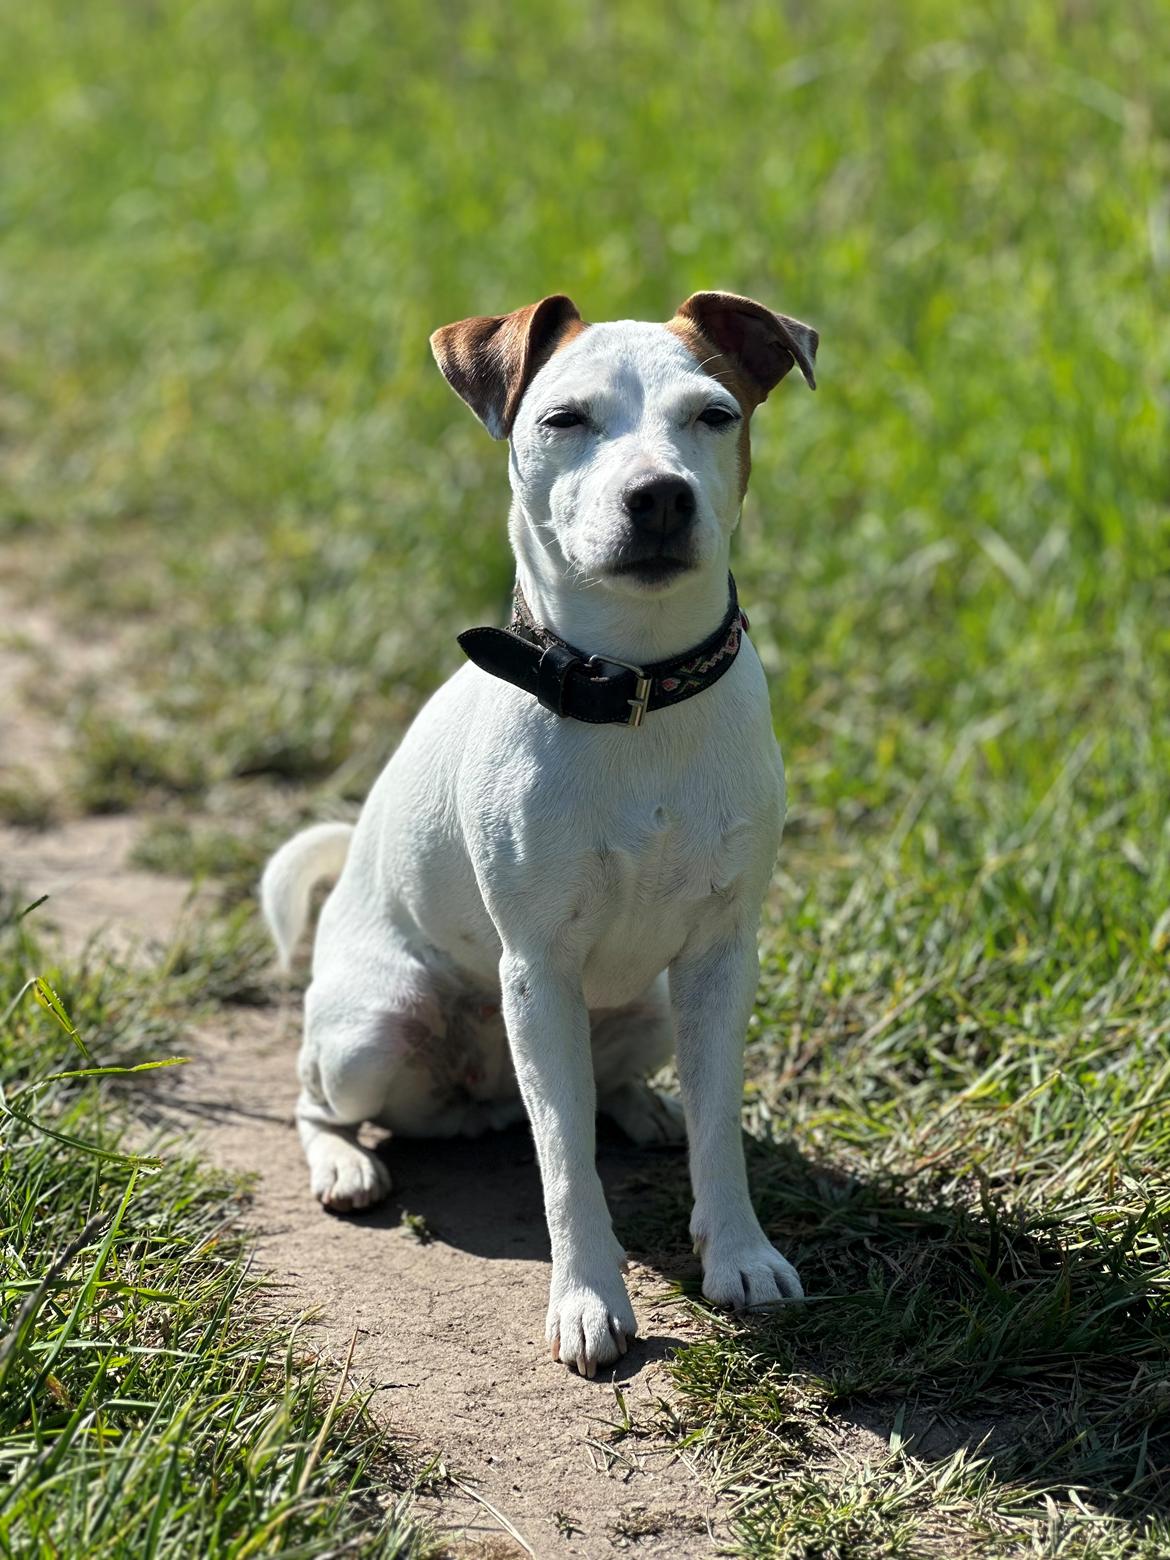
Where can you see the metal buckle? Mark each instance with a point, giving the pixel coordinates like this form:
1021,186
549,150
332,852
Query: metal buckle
640,703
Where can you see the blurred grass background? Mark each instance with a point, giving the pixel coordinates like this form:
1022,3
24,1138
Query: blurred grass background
227,233
229,230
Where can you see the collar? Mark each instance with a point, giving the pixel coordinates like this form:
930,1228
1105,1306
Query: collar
596,688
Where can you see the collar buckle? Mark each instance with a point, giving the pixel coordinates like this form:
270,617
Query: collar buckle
640,703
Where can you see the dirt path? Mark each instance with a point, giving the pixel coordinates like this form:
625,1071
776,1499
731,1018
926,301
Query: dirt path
83,864
449,1328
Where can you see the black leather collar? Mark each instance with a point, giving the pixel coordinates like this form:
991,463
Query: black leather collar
595,688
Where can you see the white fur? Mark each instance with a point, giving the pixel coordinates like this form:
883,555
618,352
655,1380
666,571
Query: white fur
290,876
535,912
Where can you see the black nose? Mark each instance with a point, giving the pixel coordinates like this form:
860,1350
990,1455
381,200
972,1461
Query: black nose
660,506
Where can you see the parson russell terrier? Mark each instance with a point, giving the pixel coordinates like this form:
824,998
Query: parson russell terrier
556,882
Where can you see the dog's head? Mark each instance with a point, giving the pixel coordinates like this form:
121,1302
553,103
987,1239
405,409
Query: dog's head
629,441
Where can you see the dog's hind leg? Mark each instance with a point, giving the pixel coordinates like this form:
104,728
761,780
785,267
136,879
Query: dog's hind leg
348,1065
343,1175
628,1047
647,1116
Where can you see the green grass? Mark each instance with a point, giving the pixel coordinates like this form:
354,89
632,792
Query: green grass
24,802
152,1402
228,232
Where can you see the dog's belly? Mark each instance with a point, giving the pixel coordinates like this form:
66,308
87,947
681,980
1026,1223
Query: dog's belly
458,1081
462,1082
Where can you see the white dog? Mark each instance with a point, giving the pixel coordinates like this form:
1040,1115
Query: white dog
556,882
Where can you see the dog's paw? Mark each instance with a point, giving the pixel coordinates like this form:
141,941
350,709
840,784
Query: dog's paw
750,1275
589,1324
647,1117
344,1176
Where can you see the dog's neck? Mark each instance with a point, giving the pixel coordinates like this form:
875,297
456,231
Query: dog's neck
593,617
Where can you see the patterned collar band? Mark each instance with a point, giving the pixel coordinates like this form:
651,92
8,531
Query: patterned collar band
595,688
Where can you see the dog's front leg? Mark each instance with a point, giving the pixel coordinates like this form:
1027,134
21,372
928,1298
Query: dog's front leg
712,990
589,1313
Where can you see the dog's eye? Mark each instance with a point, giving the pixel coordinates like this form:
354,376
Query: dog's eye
718,417
565,418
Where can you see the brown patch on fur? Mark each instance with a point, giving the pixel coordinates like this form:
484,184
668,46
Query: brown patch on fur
726,371
765,346
492,359
747,348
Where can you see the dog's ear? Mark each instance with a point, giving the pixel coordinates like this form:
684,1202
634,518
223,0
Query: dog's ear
491,360
763,346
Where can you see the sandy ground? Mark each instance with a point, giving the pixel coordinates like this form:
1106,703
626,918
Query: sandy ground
449,1330
83,863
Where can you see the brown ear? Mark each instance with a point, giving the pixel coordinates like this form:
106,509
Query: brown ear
491,360
763,346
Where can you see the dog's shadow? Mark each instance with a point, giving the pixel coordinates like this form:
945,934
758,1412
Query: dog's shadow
483,1195
941,1325
937,1327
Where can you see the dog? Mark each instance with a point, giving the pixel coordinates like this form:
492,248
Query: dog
555,884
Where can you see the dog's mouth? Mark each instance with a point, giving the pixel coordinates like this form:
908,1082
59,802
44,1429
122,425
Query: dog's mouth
652,572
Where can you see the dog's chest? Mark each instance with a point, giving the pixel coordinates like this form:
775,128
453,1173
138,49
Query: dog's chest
661,874
666,853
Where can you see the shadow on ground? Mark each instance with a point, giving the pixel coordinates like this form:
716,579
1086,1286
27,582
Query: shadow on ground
940,1325
940,1328
945,1325
483,1195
